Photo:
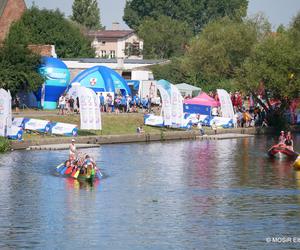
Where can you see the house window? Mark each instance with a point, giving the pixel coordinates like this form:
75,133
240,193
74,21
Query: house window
103,54
112,54
103,42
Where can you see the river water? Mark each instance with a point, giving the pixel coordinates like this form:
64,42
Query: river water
224,194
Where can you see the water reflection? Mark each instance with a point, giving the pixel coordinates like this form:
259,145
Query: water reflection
175,195
75,184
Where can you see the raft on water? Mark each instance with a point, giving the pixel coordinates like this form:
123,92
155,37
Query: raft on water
281,150
86,173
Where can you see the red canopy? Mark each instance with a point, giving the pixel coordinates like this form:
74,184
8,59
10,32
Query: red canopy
202,99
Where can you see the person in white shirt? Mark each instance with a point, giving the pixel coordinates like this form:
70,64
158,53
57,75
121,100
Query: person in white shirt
62,104
214,111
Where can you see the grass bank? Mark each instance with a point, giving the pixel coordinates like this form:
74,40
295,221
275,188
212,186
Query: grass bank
112,124
4,145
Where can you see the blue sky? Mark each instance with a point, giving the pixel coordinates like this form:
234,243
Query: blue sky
277,11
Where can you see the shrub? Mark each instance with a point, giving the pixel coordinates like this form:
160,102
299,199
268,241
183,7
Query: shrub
4,145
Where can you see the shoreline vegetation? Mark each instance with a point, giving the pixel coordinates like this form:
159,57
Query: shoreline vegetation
4,145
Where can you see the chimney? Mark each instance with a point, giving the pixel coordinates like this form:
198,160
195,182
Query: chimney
115,26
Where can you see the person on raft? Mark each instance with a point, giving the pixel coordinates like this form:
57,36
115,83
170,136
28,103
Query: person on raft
289,141
88,163
72,151
282,138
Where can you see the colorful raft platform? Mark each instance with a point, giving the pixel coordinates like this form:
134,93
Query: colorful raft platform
281,151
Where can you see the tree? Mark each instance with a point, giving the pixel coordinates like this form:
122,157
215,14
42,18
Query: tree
86,13
18,68
221,48
172,71
196,13
272,72
50,27
164,37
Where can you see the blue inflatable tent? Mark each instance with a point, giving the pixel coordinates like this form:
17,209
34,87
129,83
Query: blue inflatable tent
57,77
102,79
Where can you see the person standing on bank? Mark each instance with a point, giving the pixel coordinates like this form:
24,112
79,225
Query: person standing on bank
17,104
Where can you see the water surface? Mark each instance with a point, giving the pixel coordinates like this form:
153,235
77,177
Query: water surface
223,194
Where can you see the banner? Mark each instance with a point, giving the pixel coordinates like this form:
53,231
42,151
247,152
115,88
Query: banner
15,133
41,126
89,102
65,129
18,121
221,122
176,106
164,89
5,111
226,104
153,120
9,120
172,104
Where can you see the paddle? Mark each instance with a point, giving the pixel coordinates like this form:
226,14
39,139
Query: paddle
60,167
76,174
69,170
74,171
63,170
99,174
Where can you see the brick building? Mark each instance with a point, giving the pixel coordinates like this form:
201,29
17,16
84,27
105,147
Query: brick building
10,11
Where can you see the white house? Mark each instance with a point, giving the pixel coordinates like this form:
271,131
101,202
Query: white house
116,43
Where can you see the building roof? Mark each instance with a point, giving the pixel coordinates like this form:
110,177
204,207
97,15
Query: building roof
110,33
107,60
185,86
2,6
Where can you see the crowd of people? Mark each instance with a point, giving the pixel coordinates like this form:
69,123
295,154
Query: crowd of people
108,104
247,113
124,103
68,105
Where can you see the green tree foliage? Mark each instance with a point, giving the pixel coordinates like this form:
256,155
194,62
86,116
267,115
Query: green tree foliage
214,56
172,71
164,37
272,72
18,68
246,56
196,13
86,13
221,48
50,27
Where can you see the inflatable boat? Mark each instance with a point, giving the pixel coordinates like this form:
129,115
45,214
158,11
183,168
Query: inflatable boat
281,151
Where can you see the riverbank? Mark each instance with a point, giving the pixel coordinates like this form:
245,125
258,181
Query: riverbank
118,128
131,138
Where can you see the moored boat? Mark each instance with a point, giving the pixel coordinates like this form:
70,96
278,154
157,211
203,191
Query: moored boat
280,150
